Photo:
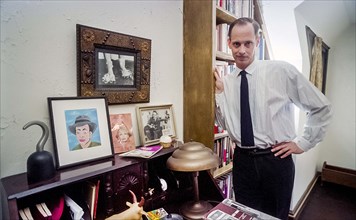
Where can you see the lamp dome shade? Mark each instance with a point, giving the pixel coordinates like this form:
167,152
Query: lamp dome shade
192,156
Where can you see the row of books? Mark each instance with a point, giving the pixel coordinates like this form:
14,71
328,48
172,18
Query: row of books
81,206
238,8
224,149
225,184
92,195
222,31
38,211
224,67
260,51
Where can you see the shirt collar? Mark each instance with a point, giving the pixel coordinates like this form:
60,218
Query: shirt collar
250,69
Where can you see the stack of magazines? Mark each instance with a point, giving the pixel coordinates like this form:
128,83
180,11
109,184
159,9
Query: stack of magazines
229,209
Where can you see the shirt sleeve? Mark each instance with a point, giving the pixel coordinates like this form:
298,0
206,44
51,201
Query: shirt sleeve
317,107
219,103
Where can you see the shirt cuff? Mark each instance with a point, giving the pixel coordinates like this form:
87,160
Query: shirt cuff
219,98
303,144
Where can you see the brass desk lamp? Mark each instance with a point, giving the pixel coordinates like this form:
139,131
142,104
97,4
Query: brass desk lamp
193,157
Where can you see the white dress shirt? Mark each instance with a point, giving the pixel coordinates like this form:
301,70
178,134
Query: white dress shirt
274,86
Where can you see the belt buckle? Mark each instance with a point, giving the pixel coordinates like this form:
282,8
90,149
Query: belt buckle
253,152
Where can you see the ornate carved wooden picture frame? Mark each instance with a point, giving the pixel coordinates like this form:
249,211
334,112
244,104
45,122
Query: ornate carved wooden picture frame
113,65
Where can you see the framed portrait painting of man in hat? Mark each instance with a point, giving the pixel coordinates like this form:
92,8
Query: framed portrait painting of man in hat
82,132
80,128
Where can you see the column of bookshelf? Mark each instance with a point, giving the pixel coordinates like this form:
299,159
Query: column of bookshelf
224,62
200,31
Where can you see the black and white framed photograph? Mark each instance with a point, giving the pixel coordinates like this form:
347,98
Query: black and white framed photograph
113,65
155,121
116,69
80,129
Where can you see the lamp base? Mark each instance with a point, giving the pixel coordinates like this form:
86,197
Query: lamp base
195,210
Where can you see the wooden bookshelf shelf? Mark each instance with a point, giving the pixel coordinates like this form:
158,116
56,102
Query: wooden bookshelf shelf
222,171
223,16
224,56
220,135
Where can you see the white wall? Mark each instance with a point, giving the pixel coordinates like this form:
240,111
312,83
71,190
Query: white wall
289,43
38,60
338,147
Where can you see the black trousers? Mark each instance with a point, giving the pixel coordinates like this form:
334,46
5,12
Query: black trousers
263,182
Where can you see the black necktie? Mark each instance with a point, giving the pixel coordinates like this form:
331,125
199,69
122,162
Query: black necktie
246,123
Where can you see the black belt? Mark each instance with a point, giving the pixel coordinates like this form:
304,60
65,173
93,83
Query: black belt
254,151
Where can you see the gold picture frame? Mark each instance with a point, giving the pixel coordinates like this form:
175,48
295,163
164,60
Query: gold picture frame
155,121
113,65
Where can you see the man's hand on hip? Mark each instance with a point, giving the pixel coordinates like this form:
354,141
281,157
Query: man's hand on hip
285,149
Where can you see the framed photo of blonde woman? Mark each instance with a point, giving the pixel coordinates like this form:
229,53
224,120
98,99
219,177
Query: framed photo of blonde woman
122,132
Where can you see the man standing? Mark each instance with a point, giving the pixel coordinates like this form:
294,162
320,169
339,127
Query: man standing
255,104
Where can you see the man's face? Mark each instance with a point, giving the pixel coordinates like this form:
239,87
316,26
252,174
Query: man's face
242,43
83,134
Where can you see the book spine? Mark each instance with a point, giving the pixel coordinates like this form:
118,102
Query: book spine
96,198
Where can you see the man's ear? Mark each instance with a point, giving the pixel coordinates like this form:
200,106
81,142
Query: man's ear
229,42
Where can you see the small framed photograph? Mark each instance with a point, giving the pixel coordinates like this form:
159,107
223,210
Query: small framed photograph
155,121
113,65
122,133
80,129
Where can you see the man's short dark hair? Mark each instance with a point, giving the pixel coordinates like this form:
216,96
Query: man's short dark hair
244,21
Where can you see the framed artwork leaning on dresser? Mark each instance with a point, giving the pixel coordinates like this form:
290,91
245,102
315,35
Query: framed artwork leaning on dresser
154,122
80,129
122,132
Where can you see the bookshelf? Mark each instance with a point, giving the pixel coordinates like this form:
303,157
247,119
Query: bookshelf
200,57
224,148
